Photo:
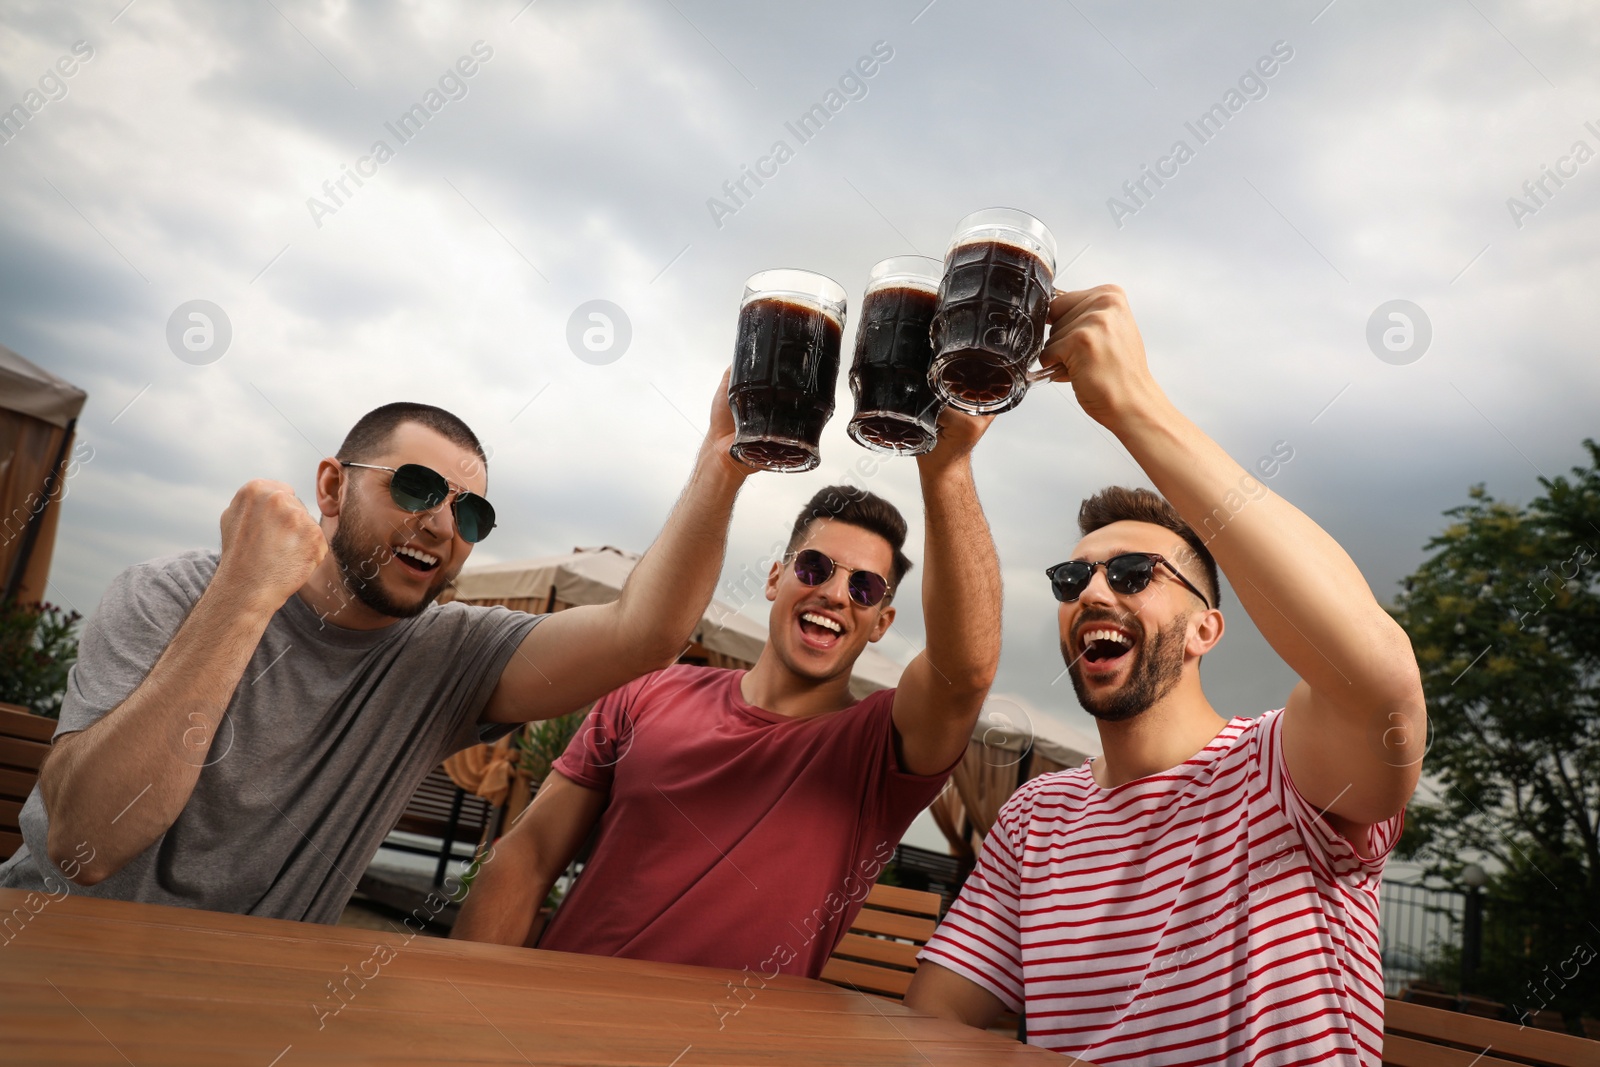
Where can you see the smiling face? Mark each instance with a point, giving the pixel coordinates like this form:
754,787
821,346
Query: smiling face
1125,652
394,561
818,631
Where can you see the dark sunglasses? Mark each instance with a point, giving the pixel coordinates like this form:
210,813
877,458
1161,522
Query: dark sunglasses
813,568
417,488
1127,574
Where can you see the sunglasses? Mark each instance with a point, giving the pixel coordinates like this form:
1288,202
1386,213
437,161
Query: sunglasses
813,568
417,488
1126,574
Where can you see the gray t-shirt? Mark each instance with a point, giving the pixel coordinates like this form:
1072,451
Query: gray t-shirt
326,738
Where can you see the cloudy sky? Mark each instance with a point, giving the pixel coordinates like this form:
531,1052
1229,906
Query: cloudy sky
185,158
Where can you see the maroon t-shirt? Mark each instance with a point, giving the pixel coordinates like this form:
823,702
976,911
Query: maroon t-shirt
734,837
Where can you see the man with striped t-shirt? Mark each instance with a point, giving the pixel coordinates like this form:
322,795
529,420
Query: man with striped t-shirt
1207,891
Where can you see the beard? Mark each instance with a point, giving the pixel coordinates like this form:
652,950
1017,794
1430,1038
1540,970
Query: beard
359,553
1157,668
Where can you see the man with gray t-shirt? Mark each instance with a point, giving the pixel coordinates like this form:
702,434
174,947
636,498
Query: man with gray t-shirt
243,727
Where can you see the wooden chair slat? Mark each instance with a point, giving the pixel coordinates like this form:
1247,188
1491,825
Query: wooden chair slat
428,811
893,924
866,978
20,722
895,898
17,752
875,955
877,950
24,743
15,784
1408,1052
1508,1039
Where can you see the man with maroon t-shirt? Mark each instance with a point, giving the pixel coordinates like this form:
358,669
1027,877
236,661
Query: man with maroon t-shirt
744,815
1207,891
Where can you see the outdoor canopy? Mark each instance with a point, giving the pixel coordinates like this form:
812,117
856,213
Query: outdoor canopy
1013,742
38,414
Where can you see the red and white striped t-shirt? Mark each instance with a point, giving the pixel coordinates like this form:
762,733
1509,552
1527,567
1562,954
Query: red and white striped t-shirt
1204,915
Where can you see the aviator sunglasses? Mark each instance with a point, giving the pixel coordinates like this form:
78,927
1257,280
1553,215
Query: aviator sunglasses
417,488
1126,574
813,568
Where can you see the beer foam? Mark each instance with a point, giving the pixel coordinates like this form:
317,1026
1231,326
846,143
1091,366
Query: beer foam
905,281
1006,236
809,301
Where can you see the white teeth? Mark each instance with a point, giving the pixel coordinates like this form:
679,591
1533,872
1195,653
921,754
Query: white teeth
1106,635
417,554
822,620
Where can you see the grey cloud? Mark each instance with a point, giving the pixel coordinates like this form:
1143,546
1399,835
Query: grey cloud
591,143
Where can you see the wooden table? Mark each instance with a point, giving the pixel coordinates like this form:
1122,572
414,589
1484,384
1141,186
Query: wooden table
87,981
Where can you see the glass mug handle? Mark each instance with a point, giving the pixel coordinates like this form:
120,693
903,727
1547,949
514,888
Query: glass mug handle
1042,374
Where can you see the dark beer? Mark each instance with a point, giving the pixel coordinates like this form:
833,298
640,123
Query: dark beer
994,303
785,367
897,410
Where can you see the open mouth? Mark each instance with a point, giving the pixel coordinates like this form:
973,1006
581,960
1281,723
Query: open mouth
415,560
820,631
1104,647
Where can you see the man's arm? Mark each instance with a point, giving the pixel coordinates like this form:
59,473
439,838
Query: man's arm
121,783
1353,728
510,887
582,653
942,690
944,994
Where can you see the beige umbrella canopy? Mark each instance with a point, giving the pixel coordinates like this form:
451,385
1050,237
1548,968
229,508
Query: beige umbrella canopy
38,414
1012,743
724,637
1012,725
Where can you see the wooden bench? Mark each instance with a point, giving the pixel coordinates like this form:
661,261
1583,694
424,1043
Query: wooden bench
24,743
1418,1036
441,809
879,953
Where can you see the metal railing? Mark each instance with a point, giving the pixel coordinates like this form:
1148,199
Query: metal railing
1420,934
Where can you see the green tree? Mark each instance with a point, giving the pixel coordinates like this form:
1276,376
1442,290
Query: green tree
1505,619
38,646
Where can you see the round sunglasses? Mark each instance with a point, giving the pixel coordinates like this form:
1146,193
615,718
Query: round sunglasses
417,488
813,568
1126,574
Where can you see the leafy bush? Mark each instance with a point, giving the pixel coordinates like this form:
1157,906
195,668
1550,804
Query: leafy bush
38,645
542,743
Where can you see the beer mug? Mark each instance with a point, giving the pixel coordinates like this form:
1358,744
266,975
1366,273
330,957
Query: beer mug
994,304
897,411
785,367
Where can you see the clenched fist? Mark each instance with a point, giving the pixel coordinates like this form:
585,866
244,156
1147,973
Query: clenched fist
270,542
1095,345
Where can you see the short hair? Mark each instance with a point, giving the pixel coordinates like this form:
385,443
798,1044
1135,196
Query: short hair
1119,504
370,435
857,507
